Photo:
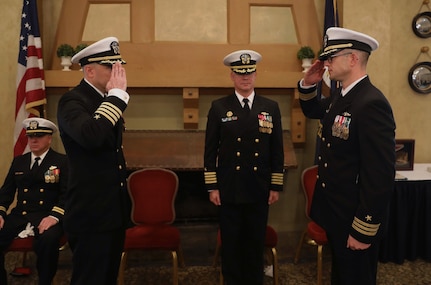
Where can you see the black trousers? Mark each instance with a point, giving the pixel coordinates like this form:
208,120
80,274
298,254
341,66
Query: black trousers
243,228
45,246
96,257
352,267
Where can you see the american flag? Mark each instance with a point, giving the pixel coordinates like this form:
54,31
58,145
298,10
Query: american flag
30,80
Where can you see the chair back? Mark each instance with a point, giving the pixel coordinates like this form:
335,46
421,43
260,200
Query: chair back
153,192
308,182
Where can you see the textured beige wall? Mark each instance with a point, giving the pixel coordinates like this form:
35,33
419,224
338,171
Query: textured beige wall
388,21
10,14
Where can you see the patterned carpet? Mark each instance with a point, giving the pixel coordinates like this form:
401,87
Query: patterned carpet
417,273
198,243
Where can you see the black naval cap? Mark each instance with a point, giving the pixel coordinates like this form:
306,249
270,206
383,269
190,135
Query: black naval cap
337,39
242,61
38,127
106,51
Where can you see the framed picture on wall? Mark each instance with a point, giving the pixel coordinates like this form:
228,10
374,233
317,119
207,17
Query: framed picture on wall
405,154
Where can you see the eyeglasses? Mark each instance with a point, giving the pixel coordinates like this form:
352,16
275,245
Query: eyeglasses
330,58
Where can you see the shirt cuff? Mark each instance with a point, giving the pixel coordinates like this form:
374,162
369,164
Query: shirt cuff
119,93
305,87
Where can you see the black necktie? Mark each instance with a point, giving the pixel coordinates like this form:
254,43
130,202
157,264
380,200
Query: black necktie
35,164
246,106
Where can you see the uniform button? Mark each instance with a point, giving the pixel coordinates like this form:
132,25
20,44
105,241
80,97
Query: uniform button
121,184
238,154
328,145
41,190
255,168
323,139
323,185
25,190
256,140
238,167
238,139
40,202
319,158
256,154
24,213
120,167
325,164
118,150
24,202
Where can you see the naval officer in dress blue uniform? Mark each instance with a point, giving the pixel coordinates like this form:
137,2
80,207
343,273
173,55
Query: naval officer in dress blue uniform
356,158
243,168
39,181
91,127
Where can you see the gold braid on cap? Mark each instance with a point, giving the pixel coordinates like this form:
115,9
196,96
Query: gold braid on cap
340,46
243,68
104,58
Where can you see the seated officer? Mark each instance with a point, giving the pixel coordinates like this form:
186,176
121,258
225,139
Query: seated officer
39,179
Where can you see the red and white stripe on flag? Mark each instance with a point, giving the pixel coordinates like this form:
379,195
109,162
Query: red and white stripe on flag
30,80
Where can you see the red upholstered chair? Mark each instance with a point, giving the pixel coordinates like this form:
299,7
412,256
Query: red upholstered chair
313,234
271,240
153,193
25,245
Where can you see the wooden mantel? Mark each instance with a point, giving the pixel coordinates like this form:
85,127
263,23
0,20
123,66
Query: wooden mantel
194,68
178,150
58,82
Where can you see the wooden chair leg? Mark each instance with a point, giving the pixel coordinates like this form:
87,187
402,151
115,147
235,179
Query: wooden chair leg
174,268
274,266
216,255
319,264
299,246
180,254
122,268
221,277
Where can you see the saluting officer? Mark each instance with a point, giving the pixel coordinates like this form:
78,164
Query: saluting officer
91,127
243,168
39,180
357,156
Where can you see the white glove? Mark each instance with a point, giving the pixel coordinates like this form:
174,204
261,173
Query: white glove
27,232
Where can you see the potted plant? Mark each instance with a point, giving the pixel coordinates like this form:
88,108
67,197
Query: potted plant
65,53
306,54
80,47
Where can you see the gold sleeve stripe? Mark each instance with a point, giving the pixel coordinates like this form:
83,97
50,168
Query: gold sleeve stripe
58,210
277,178
111,109
365,228
113,121
308,96
110,112
3,209
107,116
210,177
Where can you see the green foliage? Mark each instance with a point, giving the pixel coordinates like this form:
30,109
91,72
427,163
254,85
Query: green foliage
80,47
305,52
65,50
